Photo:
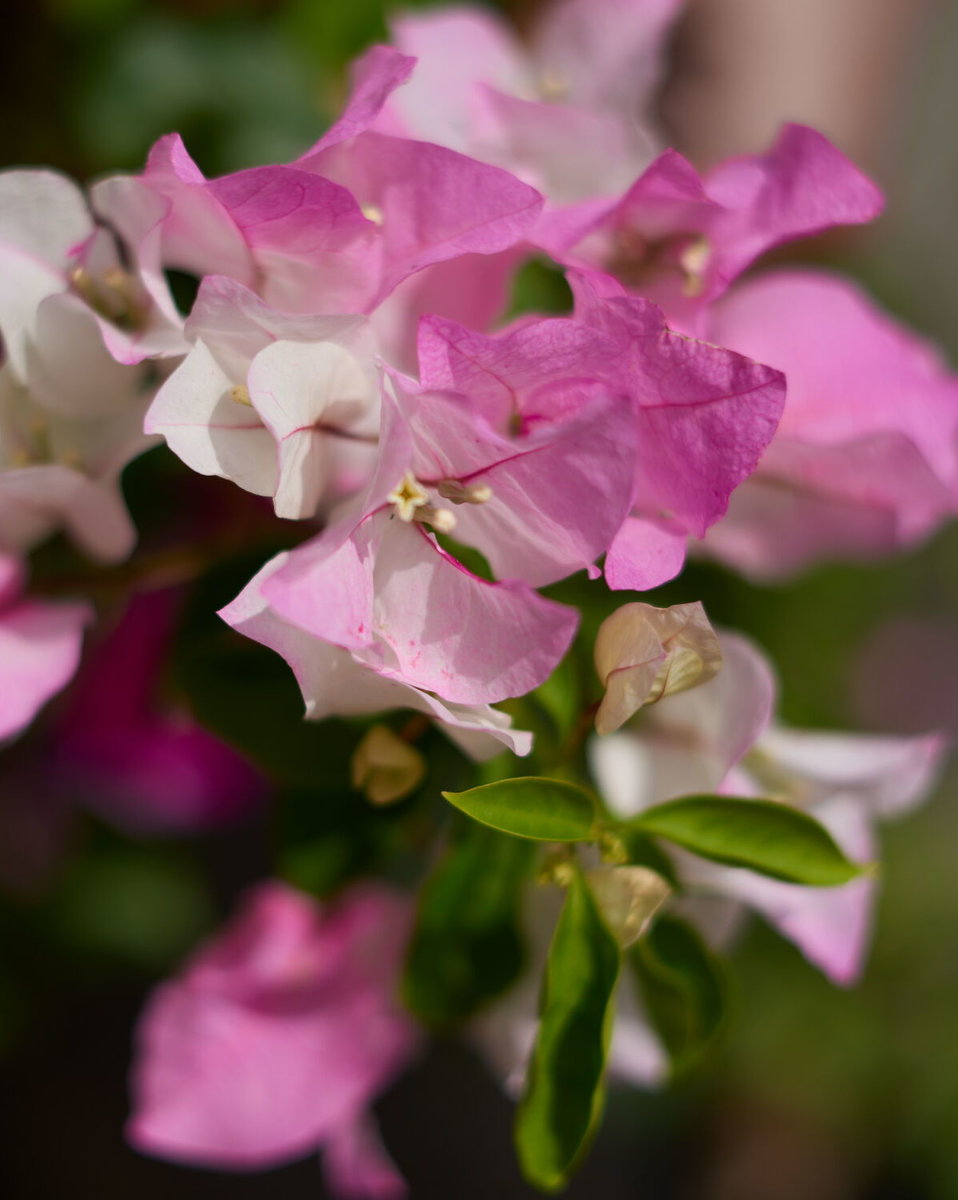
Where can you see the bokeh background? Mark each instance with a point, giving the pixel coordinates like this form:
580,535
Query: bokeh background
814,1092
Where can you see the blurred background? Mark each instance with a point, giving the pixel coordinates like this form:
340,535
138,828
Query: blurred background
844,1096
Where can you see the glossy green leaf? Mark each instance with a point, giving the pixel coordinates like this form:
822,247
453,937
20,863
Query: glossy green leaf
564,1089
683,985
546,810
467,947
762,835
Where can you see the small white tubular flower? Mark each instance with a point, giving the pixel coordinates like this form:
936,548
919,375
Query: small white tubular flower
279,404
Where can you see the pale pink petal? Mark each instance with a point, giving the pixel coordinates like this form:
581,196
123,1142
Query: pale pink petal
333,682
307,394
889,776
35,501
644,554
456,49
467,640
375,76
40,646
195,411
263,1048
357,1166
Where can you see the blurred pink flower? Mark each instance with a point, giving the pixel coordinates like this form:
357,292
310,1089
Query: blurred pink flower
40,644
145,765
865,460
568,112
276,1038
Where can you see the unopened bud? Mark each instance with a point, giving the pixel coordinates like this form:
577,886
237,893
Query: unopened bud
241,395
628,898
643,653
385,767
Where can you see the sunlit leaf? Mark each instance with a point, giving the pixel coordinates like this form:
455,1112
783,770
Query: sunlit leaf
546,810
763,835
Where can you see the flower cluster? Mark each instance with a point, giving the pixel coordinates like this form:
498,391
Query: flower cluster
351,355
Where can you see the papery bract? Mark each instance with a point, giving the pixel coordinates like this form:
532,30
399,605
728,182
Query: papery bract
705,415
570,129
337,681
40,644
277,1037
681,240
865,460
268,399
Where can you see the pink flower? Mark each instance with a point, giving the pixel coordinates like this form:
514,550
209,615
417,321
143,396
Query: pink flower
276,1038
681,240
566,112
339,229
865,460
70,414
340,681
283,405
719,737
145,764
705,415
377,583
40,644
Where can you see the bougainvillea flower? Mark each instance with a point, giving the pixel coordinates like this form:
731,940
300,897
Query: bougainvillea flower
719,737
336,681
429,203
40,645
66,435
681,240
141,761
276,1038
337,230
299,240
270,400
378,583
566,112
865,460
50,246
704,417
533,447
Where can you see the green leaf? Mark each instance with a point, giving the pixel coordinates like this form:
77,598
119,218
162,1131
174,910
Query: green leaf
467,947
763,835
564,1090
546,810
684,988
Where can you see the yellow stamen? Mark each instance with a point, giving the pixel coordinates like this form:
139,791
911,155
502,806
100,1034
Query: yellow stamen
458,493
